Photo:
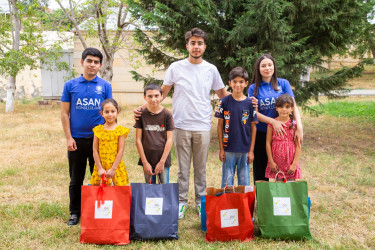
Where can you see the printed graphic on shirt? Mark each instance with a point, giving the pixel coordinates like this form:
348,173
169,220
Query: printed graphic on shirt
154,206
98,90
281,206
267,103
245,116
104,211
226,128
88,103
158,128
229,218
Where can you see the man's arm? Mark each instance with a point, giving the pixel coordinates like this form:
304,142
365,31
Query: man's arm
222,93
65,120
138,111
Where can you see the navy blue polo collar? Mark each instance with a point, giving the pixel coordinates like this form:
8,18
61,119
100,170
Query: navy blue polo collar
264,83
83,80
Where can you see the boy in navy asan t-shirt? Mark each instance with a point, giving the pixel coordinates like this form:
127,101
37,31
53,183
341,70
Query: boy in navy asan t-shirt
236,130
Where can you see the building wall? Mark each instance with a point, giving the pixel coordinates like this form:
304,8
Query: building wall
125,90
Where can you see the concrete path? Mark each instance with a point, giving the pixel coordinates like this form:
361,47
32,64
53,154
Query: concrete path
361,92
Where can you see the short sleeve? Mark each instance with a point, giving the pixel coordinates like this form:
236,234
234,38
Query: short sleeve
217,82
254,117
287,88
138,123
109,91
169,78
98,131
251,90
219,111
65,97
170,122
120,130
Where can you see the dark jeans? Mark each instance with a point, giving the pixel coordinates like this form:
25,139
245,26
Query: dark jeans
77,170
260,157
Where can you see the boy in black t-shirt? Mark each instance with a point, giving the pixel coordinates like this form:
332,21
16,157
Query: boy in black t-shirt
236,130
154,136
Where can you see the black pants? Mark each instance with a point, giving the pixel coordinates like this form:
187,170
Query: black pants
260,157
77,170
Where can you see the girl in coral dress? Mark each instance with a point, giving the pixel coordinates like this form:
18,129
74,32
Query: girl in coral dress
283,154
108,147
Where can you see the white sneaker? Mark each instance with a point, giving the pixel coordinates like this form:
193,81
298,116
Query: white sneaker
199,209
181,210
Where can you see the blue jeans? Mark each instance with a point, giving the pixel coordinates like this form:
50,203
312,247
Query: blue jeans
229,169
164,177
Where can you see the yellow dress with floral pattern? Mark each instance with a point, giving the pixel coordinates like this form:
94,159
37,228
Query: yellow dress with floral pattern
108,144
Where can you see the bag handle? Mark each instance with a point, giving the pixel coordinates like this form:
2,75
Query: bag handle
150,181
103,183
285,180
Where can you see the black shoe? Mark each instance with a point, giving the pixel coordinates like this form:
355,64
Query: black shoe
73,220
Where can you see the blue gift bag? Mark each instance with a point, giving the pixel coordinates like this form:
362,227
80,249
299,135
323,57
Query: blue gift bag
154,211
203,213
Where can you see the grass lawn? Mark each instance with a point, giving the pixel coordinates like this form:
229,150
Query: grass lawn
338,162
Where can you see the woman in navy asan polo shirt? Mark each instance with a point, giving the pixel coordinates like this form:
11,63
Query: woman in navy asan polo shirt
266,88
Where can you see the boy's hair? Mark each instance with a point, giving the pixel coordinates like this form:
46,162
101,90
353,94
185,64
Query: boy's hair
152,86
92,52
195,32
238,71
257,77
285,99
112,101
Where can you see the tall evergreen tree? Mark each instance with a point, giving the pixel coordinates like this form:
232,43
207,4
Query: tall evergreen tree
298,33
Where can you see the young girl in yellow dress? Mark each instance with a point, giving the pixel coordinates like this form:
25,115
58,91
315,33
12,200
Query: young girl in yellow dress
108,147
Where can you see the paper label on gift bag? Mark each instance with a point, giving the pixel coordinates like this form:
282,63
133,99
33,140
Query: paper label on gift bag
229,218
104,211
249,189
281,206
154,206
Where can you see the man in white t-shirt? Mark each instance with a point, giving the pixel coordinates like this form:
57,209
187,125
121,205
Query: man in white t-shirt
192,78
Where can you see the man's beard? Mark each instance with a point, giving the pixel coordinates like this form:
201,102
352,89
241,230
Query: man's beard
196,57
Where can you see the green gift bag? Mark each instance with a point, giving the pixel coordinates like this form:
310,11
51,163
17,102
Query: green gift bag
283,210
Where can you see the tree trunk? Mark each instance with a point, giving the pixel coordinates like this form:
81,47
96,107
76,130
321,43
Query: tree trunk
11,90
16,35
106,72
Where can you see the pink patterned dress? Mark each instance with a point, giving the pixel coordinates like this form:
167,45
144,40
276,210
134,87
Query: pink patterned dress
283,150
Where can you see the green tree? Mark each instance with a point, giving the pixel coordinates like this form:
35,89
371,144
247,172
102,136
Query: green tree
365,38
91,19
299,34
21,43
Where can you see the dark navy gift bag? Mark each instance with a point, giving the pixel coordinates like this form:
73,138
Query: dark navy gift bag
154,211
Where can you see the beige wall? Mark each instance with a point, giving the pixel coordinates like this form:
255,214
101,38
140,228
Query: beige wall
125,90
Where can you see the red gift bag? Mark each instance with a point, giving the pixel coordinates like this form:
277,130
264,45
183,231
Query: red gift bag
229,218
105,214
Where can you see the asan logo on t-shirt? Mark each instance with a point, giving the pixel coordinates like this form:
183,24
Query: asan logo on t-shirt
88,103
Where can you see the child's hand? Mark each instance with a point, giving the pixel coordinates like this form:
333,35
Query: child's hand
222,155
110,173
274,167
292,169
148,169
159,167
250,157
101,172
